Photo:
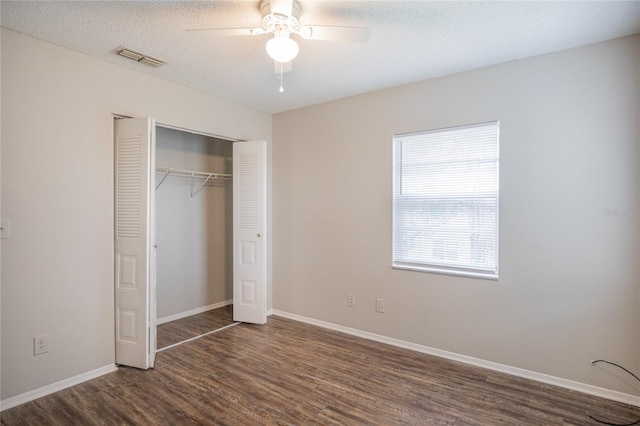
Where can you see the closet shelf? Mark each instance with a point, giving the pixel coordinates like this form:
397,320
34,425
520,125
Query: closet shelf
193,174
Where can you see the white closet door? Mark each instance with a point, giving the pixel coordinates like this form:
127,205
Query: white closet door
134,236
249,232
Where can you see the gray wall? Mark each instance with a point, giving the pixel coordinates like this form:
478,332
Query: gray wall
195,246
568,287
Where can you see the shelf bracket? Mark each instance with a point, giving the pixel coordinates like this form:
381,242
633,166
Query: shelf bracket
203,184
163,178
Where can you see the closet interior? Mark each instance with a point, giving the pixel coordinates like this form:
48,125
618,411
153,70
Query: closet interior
194,225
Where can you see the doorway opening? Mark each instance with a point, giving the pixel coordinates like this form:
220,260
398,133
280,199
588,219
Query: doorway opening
194,234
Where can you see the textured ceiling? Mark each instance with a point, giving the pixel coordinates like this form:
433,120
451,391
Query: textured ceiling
411,41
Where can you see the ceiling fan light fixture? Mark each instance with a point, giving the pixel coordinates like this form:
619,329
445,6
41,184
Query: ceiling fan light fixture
282,48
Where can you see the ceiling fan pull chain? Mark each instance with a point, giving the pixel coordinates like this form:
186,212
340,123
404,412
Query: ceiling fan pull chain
281,90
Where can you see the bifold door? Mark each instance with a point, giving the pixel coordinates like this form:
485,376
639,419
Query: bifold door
249,232
134,240
135,246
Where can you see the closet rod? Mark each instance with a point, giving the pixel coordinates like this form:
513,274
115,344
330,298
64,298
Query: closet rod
191,174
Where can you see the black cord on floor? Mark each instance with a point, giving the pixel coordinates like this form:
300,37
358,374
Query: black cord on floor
637,422
611,424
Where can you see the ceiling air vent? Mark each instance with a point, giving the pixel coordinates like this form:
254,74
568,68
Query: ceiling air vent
139,57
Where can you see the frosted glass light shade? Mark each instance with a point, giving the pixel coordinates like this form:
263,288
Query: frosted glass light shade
282,48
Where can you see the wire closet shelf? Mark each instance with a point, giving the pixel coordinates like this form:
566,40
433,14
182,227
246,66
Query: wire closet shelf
206,177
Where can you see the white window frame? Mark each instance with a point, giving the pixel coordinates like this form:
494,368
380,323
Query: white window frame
401,255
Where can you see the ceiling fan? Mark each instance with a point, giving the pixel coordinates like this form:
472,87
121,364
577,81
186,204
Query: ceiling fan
282,19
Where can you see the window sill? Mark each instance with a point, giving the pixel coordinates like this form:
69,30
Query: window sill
447,271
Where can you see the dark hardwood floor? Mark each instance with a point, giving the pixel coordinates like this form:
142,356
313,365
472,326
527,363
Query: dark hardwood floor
195,325
287,372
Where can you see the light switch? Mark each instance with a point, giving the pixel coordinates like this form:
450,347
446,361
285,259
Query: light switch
5,229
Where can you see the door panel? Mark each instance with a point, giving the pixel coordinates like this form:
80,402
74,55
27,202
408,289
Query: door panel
249,232
134,230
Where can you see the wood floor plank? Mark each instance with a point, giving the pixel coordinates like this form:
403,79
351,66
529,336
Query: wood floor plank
290,373
192,326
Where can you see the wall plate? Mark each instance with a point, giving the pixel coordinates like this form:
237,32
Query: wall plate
5,229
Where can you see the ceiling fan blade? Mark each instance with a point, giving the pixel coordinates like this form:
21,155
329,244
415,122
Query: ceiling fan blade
282,67
329,33
281,7
231,31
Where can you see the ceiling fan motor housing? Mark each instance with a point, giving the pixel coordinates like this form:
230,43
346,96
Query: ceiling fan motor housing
272,21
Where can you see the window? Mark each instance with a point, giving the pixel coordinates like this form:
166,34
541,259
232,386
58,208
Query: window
445,200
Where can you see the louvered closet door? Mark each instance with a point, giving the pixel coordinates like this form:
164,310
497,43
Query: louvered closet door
134,233
249,232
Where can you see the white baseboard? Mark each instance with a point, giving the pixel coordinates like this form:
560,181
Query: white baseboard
519,372
195,311
63,384
55,387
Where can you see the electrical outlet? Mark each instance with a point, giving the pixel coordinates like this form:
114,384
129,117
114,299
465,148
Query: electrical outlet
380,305
351,301
40,344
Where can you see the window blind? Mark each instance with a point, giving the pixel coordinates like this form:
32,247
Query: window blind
445,200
